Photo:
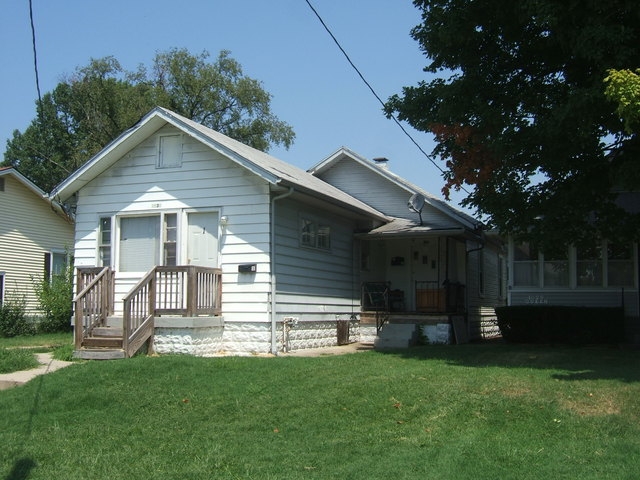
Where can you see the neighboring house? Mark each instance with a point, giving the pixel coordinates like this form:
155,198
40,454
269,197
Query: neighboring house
36,237
602,274
438,264
207,245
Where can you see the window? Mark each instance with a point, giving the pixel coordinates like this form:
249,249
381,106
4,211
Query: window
169,151
55,263
104,242
556,269
314,234
170,238
1,184
525,265
589,265
620,265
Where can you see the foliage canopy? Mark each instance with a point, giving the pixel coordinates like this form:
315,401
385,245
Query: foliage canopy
96,103
516,101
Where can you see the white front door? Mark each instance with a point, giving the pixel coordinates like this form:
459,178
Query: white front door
202,242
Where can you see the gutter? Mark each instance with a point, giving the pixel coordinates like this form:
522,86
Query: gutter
274,349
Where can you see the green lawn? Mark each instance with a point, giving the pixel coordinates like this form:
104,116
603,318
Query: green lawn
435,412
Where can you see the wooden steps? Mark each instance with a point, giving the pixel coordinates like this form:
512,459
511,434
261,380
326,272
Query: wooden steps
105,343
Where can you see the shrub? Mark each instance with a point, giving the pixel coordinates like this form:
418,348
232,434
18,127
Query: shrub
13,321
55,296
559,324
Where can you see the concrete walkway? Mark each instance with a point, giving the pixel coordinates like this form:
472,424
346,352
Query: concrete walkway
47,364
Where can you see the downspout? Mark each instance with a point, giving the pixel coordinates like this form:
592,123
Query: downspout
274,350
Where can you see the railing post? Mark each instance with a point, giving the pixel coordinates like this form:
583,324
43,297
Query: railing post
152,295
192,290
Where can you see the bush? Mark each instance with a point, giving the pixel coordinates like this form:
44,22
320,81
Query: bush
56,301
13,321
558,324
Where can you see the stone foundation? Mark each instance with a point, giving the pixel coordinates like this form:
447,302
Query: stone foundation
211,336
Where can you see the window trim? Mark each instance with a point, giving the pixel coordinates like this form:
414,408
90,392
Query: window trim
160,164
3,278
115,250
573,262
318,224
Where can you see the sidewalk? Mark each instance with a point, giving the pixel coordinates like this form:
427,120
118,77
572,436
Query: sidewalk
47,364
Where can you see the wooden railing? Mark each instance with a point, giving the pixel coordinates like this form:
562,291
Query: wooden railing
94,301
431,297
187,291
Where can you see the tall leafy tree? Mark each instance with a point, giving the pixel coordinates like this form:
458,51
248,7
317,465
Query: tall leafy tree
96,103
516,101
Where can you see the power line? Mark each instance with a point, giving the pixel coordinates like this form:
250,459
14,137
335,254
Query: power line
35,57
393,117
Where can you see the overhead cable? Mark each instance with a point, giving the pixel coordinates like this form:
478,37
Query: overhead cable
393,117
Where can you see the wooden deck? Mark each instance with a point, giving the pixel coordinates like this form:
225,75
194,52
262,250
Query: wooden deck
186,291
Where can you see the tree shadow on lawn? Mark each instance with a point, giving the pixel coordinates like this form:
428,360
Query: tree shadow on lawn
21,469
577,362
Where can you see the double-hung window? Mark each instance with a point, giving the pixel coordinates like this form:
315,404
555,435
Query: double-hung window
314,233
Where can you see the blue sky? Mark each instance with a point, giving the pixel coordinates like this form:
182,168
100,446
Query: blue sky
279,42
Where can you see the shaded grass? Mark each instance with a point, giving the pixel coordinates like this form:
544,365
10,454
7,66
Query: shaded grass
433,412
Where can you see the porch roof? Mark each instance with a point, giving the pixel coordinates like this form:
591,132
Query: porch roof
402,227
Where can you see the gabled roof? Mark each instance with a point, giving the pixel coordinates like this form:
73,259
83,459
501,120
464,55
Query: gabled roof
37,191
466,220
271,169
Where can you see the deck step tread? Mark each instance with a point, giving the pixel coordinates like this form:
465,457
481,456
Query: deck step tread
113,342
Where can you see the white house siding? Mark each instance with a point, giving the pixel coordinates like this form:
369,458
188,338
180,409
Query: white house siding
317,287
206,181
29,228
588,297
379,192
481,315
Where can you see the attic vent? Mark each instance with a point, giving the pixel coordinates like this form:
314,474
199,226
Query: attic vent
169,151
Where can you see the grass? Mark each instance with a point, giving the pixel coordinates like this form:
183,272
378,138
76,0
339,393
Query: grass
17,353
433,412
12,360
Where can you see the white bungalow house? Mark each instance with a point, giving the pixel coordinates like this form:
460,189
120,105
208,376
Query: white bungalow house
36,236
205,245
440,267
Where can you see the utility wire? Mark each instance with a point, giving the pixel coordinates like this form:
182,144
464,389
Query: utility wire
35,58
393,117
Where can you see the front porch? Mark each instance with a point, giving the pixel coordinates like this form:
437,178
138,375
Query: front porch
180,291
439,316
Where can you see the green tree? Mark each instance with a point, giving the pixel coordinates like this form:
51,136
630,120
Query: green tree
517,105
623,88
96,103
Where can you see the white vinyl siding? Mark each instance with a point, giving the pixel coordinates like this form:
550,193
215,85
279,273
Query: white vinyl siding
206,182
371,188
314,284
29,229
